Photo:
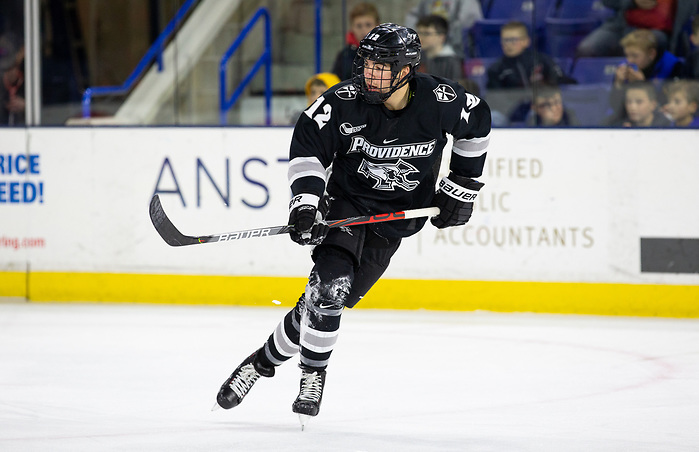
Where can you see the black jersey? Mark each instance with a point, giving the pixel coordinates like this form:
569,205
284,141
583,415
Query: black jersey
387,161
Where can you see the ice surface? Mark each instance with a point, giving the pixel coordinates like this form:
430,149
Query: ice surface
104,377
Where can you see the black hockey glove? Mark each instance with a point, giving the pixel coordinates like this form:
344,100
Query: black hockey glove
308,221
455,198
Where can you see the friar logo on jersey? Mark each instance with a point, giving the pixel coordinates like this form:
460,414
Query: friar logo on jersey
388,176
444,93
348,92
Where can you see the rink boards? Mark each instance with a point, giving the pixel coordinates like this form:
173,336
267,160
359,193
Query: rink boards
587,221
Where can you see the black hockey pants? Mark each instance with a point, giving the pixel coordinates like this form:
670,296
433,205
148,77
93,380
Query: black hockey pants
347,264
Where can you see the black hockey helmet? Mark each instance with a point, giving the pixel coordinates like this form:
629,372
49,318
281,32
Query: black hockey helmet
390,44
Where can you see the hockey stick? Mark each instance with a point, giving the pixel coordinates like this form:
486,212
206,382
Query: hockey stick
174,237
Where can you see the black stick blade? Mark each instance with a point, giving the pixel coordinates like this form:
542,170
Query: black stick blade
164,226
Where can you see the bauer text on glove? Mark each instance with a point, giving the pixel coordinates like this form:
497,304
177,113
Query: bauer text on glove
455,198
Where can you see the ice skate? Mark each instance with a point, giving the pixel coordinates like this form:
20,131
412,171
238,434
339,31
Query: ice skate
236,387
307,404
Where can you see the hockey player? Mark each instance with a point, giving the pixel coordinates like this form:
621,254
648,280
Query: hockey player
383,132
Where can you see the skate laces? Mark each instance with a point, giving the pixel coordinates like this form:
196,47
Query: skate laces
311,387
242,382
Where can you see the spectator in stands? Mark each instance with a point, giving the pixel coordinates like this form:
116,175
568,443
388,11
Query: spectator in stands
548,109
665,17
682,102
317,84
461,15
520,66
518,71
362,19
645,60
641,107
438,57
692,64
12,104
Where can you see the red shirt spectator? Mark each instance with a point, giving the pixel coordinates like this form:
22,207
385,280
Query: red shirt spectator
652,14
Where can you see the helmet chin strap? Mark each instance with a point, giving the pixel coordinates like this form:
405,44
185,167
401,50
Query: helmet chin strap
404,80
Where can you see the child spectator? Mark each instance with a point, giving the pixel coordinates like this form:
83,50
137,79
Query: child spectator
641,107
517,71
461,15
363,18
645,60
438,57
692,65
520,66
682,103
548,109
318,84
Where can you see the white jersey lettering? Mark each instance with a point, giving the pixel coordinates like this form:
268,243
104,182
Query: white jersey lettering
406,151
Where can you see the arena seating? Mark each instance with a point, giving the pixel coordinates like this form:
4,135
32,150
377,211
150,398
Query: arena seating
568,21
496,13
595,69
589,102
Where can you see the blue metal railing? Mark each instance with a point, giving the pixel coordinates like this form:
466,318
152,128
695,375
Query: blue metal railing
319,34
154,52
265,58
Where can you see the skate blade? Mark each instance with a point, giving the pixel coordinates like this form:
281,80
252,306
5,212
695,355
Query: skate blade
215,407
304,418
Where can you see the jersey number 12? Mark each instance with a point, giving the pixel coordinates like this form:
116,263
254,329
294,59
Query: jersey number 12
320,118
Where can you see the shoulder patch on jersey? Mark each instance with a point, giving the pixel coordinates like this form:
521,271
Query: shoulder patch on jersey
472,101
348,129
444,93
348,92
